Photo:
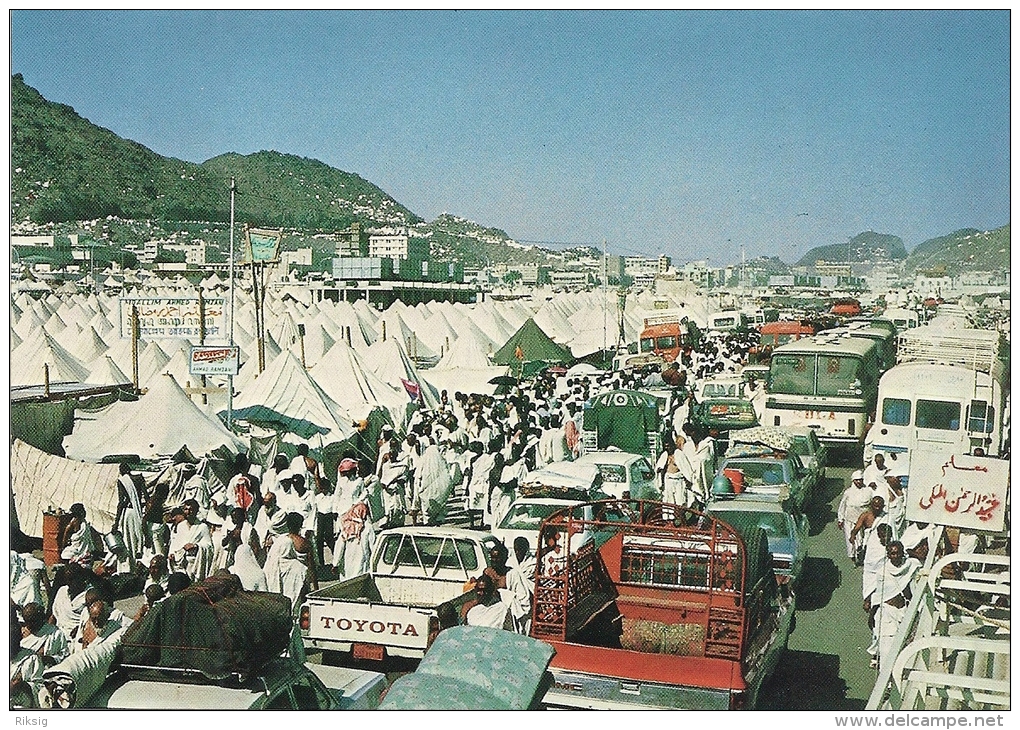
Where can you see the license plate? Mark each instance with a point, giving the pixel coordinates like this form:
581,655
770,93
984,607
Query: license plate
374,652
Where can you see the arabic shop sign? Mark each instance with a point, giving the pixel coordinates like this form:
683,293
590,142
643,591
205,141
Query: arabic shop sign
959,491
162,318
214,361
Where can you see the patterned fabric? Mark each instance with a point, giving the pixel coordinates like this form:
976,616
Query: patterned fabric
474,668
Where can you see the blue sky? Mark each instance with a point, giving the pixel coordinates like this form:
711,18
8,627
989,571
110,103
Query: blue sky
685,133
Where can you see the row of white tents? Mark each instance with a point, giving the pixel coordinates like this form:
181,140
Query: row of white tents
352,364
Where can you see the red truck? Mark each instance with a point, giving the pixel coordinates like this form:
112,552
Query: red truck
651,605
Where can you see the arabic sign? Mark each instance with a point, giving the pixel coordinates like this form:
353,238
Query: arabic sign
214,360
162,318
958,491
262,245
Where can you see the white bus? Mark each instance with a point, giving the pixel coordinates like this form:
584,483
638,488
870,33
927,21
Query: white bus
947,395
826,382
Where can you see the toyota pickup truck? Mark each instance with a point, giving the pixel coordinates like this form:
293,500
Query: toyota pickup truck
415,589
674,611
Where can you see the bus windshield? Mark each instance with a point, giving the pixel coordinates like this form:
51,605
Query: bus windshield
837,375
792,374
647,344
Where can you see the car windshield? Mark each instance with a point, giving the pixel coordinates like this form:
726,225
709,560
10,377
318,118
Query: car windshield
720,390
528,516
613,473
775,524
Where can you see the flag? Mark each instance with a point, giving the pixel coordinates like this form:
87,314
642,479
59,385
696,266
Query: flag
413,389
519,353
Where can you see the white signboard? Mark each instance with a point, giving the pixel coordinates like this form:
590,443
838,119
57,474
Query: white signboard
959,491
214,360
162,318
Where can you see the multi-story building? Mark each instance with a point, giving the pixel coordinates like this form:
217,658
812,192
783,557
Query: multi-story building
352,242
569,279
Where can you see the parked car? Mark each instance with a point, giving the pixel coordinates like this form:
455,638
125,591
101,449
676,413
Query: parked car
476,668
527,513
800,440
284,684
775,476
622,472
723,406
786,532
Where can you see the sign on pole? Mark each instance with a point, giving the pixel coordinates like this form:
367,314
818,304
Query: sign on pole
214,360
163,317
959,491
262,245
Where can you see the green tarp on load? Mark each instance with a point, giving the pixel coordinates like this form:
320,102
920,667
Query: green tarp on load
531,344
622,418
211,627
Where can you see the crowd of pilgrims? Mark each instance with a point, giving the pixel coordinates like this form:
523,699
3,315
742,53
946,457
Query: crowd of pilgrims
286,526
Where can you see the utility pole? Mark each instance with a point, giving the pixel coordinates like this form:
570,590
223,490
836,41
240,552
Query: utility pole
230,378
605,295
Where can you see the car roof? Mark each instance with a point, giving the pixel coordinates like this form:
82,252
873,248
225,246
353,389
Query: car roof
608,457
438,531
555,501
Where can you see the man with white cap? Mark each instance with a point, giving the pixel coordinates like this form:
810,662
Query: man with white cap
854,503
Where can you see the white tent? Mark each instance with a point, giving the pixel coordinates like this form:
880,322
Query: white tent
286,396
389,361
105,372
346,379
155,426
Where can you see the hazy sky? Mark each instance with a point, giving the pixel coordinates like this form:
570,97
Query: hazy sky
685,133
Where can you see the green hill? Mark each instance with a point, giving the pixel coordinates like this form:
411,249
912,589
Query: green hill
868,247
965,250
64,168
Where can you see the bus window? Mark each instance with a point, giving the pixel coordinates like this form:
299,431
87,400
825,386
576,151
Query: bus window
792,374
938,414
783,339
647,344
665,343
896,411
838,376
767,340
980,417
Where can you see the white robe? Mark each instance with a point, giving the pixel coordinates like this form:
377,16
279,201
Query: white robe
433,485
25,587
286,571
855,502
198,565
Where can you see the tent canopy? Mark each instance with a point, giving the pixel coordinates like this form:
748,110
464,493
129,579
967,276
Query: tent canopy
530,343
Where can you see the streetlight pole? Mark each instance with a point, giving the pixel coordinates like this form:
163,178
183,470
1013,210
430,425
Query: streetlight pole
230,378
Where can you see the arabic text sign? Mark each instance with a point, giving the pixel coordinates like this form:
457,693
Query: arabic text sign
214,361
162,318
959,491
263,245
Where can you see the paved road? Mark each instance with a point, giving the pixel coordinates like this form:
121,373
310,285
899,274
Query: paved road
826,666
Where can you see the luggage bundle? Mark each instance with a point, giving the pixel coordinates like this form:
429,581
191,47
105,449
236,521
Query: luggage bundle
213,627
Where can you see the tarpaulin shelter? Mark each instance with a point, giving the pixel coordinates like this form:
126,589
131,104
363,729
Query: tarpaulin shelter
530,344
39,480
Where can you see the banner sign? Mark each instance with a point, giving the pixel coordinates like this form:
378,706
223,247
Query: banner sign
262,245
163,317
959,491
214,360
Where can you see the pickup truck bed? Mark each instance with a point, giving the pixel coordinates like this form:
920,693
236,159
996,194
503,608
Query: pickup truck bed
662,616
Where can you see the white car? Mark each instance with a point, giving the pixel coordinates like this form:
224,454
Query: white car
623,473
525,517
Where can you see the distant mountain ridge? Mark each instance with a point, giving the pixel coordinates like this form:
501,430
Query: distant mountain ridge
864,247
65,170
